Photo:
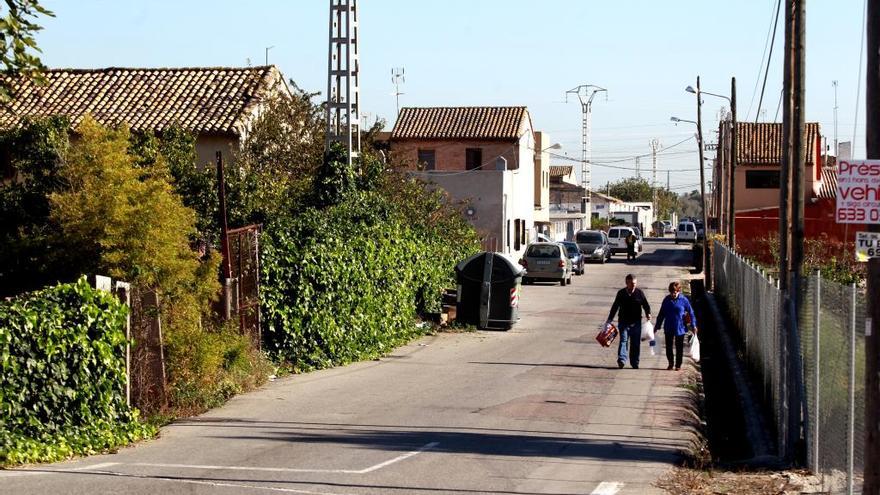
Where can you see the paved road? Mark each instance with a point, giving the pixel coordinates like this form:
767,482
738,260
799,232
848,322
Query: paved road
541,409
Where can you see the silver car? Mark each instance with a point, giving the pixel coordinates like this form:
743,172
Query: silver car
546,261
594,245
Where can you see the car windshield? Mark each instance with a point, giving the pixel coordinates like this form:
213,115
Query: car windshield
572,249
589,238
543,251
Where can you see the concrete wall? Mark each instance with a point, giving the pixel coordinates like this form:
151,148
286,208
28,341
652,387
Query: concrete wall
542,177
207,147
495,198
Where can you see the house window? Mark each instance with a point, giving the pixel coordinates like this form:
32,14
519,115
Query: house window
426,159
762,179
473,158
516,237
507,236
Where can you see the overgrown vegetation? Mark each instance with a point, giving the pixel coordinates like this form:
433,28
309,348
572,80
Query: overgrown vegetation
62,358
832,258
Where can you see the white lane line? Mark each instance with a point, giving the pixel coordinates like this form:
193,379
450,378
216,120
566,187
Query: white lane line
427,446
370,469
607,488
94,466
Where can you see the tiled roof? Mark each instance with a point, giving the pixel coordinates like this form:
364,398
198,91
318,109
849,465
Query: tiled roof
560,170
828,189
460,123
761,143
610,199
206,100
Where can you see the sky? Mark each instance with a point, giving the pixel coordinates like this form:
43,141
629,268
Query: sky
508,52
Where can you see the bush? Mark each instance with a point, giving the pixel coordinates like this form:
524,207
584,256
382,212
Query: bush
62,358
347,282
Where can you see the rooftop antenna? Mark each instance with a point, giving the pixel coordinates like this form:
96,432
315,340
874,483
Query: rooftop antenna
398,78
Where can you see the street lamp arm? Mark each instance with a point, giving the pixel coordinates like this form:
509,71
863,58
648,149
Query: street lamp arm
714,94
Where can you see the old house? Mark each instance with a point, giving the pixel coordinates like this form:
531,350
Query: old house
567,205
217,104
484,156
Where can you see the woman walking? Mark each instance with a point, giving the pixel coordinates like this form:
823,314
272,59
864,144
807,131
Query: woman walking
673,311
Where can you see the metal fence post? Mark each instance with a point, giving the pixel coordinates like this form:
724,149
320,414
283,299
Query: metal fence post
817,335
851,406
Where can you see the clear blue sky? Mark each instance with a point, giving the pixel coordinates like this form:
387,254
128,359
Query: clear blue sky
502,52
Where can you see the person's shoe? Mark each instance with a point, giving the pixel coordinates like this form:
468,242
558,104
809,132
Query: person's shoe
669,367
620,363
635,366
677,368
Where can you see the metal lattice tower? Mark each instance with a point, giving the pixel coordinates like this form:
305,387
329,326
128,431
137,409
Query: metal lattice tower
343,94
655,146
585,94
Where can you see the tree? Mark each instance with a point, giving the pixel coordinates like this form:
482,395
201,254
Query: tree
631,189
17,43
125,220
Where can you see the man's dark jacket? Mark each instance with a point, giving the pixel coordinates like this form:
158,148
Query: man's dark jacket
630,306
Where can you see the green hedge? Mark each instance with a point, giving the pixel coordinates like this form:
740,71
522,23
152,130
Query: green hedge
62,359
347,282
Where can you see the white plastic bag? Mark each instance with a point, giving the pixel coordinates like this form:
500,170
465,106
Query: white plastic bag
695,349
647,331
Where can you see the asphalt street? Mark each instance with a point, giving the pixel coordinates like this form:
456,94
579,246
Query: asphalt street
539,409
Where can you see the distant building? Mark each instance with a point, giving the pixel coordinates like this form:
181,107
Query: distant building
216,104
483,156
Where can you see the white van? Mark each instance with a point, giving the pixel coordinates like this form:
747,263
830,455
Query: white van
686,232
617,238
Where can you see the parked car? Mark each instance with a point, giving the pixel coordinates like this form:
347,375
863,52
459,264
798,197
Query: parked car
686,232
594,244
546,261
617,237
699,225
668,228
578,259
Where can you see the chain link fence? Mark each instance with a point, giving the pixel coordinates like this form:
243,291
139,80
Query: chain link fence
831,326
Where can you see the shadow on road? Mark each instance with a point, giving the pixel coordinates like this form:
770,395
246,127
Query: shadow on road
555,365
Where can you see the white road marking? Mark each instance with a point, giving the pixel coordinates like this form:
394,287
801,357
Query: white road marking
607,488
370,469
427,446
94,466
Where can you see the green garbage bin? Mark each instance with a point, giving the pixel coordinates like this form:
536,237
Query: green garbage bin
488,290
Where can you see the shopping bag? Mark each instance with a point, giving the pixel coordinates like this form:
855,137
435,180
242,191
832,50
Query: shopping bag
695,349
607,333
647,331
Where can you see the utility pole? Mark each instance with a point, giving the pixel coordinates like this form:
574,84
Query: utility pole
638,169
343,91
585,94
791,220
398,78
872,337
667,181
731,181
707,280
834,84
655,146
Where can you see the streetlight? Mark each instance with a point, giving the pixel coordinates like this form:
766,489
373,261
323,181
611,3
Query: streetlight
555,146
731,196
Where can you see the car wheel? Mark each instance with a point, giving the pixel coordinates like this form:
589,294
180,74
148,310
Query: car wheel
562,282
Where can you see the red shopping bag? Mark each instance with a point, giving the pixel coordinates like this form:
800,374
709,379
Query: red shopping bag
607,334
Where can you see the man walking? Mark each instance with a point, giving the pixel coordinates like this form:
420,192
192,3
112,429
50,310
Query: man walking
631,246
630,301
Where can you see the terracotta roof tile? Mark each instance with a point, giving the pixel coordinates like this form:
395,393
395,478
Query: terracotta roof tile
207,100
460,123
761,143
828,189
560,170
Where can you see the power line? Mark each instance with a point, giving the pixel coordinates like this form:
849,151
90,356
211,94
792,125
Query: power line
859,79
767,70
760,65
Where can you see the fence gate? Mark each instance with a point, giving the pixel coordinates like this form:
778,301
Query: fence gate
244,261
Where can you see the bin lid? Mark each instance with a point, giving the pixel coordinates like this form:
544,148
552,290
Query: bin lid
502,267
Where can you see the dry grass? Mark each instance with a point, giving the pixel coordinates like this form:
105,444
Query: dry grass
681,481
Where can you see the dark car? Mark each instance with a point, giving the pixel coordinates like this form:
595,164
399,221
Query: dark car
594,244
577,258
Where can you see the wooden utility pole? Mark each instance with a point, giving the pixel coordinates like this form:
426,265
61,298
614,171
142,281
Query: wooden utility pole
731,181
872,333
785,207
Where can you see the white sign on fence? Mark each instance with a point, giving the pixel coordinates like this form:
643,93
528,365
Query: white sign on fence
867,245
858,191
